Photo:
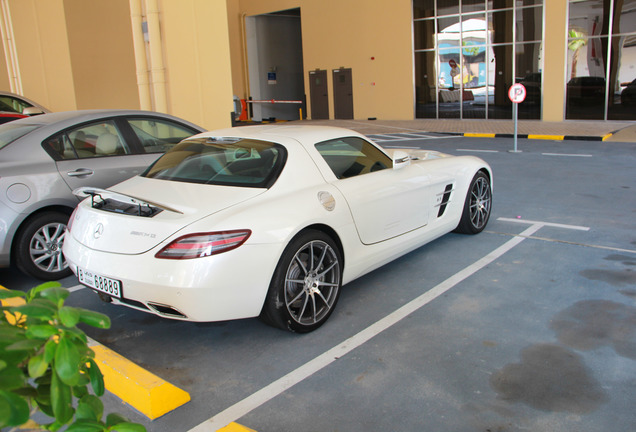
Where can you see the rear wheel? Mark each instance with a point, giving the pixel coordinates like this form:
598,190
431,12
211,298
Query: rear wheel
39,246
306,284
477,205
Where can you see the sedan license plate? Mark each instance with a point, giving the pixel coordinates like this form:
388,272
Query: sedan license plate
106,285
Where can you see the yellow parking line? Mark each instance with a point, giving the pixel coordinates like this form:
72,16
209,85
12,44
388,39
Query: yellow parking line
479,135
547,137
143,390
235,427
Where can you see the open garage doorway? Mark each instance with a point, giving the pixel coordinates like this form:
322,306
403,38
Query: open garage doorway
275,63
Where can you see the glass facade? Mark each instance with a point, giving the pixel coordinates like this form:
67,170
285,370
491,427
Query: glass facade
601,66
469,52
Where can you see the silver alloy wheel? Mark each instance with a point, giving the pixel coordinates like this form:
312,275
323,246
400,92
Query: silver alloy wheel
45,248
480,202
312,282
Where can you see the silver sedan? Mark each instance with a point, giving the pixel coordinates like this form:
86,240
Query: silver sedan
44,158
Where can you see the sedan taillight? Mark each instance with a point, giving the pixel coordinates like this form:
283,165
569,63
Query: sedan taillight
203,244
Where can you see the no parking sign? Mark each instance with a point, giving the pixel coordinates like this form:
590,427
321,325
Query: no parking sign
517,93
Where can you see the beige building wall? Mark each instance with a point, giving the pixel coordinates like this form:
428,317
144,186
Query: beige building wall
41,41
555,52
79,54
372,38
101,53
197,61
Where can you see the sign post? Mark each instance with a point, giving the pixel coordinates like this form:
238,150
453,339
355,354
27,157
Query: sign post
517,94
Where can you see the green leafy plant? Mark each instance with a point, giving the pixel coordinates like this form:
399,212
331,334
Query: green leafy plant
47,366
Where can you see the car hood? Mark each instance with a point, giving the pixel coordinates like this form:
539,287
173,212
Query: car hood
130,229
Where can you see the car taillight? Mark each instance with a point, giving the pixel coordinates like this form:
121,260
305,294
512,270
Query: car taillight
70,220
203,244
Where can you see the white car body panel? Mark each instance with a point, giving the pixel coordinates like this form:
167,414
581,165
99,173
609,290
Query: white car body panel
377,218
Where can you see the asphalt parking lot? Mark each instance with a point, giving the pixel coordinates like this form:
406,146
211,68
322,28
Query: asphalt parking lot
530,325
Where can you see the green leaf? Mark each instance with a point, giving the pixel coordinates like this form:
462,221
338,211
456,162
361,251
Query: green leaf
69,316
77,334
42,331
67,361
49,350
94,319
14,410
11,378
128,427
7,294
61,399
25,345
55,294
37,366
90,407
36,292
97,379
114,419
86,425
38,308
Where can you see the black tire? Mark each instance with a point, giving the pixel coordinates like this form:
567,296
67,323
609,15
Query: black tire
477,206
38,246
306,284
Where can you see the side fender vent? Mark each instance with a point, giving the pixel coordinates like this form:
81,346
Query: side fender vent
445,199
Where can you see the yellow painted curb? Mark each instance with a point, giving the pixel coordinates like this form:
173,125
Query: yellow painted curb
235,427
547,137
607,136
479,135
143,390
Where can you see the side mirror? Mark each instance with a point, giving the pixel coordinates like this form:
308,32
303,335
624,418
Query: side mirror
32,111
401,159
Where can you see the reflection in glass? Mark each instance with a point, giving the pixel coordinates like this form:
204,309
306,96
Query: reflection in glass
600,74
447,7
425,86
424,34
423,8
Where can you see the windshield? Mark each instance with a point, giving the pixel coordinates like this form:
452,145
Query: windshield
221,161
10,132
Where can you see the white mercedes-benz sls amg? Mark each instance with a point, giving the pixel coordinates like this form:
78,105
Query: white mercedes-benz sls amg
268,221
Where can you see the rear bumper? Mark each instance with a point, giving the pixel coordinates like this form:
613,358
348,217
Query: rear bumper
231,285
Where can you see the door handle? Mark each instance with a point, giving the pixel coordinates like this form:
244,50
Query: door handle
80,172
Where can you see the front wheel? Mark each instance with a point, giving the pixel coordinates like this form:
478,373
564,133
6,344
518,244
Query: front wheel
477,205
306,284
39,247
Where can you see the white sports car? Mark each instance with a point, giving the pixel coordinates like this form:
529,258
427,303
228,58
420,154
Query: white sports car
268,221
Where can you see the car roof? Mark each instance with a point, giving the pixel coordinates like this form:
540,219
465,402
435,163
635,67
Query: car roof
68,118
25,99
306,135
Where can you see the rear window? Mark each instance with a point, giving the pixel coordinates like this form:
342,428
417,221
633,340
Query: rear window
221,161
10,132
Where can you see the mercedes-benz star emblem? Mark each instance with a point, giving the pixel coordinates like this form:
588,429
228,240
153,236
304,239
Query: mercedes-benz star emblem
99,230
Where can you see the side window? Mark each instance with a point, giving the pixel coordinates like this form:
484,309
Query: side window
87,141
352,156
7,103
159,136
59,148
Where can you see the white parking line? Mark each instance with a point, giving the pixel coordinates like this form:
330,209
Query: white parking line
477,151
277,387
567,155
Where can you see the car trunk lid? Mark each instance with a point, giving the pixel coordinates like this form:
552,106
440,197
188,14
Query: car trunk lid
139,214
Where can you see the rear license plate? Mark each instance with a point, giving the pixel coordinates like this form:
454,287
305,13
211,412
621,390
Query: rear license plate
112,287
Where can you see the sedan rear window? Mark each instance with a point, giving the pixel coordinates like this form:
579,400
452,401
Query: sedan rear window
10,132
221,161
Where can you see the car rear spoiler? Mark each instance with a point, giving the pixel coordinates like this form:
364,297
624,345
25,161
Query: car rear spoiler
116,202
